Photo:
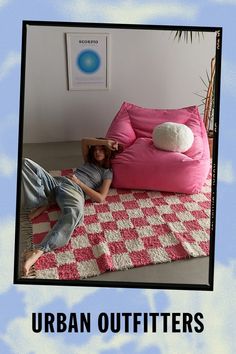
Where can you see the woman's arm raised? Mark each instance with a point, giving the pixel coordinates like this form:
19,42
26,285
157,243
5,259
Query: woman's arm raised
87,142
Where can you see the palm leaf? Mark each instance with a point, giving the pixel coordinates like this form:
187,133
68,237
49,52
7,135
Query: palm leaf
187,35
204,82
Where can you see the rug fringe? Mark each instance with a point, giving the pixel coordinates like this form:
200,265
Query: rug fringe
26,243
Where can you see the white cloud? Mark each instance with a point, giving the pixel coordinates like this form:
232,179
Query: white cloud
7,165
9,121
229,77
226,173
128,11
12,59
19,331
225,2
219,310
25,341
7,237
3,2
151,298
21,339
97,344
72,295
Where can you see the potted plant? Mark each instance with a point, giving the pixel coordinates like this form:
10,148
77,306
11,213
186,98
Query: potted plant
208,100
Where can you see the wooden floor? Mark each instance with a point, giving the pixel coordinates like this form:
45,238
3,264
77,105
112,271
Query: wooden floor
54,156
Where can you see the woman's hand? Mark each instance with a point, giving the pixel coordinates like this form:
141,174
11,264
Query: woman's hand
112,145
97,196
73,178
87,142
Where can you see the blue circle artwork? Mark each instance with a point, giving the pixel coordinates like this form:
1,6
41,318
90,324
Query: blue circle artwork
88,61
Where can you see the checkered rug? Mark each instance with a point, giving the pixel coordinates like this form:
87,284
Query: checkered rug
131,229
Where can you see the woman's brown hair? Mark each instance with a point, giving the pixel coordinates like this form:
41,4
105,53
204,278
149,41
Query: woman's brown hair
109,155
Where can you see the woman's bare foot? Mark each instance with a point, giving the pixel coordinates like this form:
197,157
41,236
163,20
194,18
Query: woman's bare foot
37,211
30,258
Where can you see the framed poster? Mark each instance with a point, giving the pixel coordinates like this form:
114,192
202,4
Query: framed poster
87,61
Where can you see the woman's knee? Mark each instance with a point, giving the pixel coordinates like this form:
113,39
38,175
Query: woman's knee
26,160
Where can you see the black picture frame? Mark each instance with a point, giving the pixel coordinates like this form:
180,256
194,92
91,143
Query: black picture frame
107,26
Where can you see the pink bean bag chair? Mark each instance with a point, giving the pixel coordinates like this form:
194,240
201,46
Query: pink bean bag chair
143,166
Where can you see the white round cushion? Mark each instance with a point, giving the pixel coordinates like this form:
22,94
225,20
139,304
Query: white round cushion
171,136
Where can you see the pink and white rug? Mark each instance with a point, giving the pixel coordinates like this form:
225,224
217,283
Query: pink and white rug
131,229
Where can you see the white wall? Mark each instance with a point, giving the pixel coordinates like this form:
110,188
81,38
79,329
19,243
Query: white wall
147,67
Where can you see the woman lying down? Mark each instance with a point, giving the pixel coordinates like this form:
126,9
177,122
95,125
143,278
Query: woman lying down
40,189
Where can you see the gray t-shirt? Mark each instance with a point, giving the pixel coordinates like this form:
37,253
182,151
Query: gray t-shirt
93,175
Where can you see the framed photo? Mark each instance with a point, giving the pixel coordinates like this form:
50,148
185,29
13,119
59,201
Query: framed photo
87,61
145,235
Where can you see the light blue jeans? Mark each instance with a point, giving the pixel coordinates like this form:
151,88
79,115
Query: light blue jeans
40,188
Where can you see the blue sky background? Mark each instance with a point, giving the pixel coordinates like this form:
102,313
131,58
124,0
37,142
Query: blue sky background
17,302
